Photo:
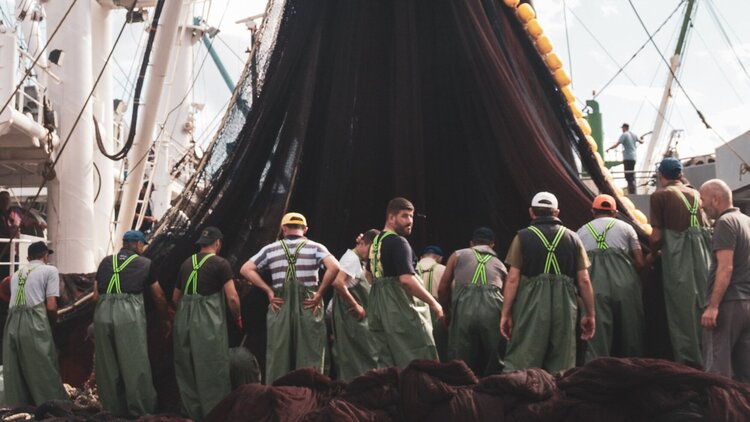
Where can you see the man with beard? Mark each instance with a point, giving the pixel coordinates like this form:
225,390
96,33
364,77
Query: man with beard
401,332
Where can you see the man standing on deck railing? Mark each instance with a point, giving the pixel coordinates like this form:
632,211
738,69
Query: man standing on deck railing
629,142
402,333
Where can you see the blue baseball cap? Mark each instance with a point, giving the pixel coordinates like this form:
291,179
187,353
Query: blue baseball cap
134,236
671,168
433,249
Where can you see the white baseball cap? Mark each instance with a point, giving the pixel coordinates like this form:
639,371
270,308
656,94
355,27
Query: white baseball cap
544,200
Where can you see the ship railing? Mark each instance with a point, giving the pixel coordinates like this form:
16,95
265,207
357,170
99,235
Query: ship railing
16,255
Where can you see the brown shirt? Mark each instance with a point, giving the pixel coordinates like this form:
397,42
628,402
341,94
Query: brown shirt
668,211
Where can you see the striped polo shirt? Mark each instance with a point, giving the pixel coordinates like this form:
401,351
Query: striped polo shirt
310,257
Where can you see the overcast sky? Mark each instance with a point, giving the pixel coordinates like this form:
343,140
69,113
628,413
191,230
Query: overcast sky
602,34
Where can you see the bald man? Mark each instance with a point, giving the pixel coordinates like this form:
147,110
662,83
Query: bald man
726,320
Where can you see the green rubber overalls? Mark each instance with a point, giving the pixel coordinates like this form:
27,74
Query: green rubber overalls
123,370
619,304
29,356
544,317
201,347
402,333
353,346
296,337
686,257
474,335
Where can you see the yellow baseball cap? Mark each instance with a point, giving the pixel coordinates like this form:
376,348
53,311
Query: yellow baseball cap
294,218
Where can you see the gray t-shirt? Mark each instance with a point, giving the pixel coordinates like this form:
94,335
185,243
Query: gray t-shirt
42,282
466,265
732,231
629,143
622,235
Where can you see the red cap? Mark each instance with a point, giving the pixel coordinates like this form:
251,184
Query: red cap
604,202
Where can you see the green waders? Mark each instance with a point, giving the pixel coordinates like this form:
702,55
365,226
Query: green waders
686,257
402,333
439,332
201,347
474,335
619,304
29,357
353,346
296,336
123,371
544,317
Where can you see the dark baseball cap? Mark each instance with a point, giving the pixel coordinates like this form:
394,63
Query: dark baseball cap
433,249
671,168
134,236
209,235
483,233
38,248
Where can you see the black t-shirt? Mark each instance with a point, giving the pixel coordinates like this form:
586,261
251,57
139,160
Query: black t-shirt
396,256
133,278
212,275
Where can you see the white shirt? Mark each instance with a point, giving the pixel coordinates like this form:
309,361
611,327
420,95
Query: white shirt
351,264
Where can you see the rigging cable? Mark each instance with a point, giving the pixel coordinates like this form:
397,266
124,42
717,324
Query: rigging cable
122,153
724,34
638,51
567,41
745,167
31,68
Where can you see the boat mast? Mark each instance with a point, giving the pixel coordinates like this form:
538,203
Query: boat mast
71,194
654,150
138,156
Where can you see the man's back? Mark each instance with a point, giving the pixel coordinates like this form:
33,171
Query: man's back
669,211
308,260
529,254
134,276
211,276
42,281
620,235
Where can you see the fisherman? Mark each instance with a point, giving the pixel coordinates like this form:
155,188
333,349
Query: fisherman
123,371
401,332
680,233
629,142
726,320
201,347
614,251
430,270
474,308
30,360
296,331
546,261
353,347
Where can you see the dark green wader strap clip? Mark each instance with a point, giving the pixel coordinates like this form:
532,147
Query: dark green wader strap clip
375,266
21,296
430,272
692,209
114,281
600,238
480,273
291,259
551,262
193,278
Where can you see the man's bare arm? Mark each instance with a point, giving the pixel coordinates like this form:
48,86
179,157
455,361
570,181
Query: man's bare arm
724,269
444,288
414,287
587,296
509,293
250,272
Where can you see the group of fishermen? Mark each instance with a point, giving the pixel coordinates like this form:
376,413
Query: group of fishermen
391,312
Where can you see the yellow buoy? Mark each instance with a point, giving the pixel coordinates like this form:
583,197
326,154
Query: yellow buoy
567,92
628,203
599,160
647,228
553,63
584,125
640,216
543,45
576,111
512,3
592,144
534,29
561,77
525,12
619,191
